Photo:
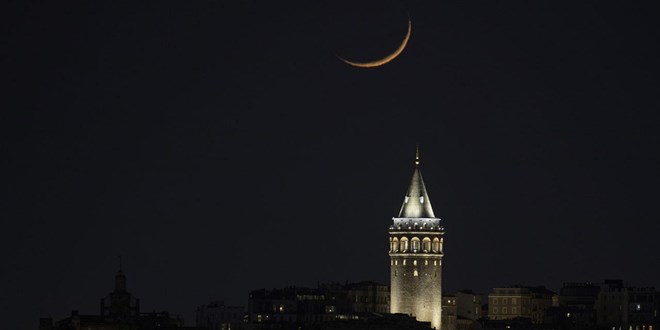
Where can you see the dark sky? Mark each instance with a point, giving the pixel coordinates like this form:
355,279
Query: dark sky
221,146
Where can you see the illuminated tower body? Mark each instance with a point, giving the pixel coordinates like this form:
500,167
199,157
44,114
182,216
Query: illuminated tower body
416,238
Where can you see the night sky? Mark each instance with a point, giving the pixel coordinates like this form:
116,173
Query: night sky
222,147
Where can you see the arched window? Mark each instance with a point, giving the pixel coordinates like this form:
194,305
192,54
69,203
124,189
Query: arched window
415,244
404,244
426,245
436,245
395,245
415,273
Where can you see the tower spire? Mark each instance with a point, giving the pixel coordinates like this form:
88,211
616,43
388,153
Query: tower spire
416,203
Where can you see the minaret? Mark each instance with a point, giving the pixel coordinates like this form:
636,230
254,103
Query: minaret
416,238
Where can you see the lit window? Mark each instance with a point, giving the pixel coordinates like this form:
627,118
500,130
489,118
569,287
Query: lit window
404,262
421,199
426,245
415,244
406,199
436,245
404,244
426,262
414,262
415,273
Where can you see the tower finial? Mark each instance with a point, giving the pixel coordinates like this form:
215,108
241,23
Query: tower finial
417,156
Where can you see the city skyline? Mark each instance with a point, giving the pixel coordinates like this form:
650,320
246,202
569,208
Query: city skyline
223,147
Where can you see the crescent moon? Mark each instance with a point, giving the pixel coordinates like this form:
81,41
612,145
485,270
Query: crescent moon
385,59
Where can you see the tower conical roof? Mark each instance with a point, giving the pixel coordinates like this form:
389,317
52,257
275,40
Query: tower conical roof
416,203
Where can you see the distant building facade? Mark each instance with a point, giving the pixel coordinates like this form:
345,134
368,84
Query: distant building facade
520,302
218,316
620,307
448,312
416,239
328,302
468,304
362,305
291,305
468,309
361,297
612,305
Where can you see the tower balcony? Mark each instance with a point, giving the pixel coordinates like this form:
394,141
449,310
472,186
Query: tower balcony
416,225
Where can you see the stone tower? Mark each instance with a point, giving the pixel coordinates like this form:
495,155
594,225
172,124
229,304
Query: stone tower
416,238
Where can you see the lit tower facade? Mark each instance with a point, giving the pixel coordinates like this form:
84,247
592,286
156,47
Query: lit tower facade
416,238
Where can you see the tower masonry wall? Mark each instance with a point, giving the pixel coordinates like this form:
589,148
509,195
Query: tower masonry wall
416,273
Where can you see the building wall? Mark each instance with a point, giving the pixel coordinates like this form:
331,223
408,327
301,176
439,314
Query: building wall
416,274
448,313
612,305
468,305
218,316
508,303
514,302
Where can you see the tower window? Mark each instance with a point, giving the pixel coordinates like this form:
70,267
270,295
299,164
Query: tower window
426,245
415,244
404,244
421,199
415,273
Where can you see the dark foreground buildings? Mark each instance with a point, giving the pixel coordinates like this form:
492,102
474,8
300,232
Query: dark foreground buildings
579,306
363,305
120,310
